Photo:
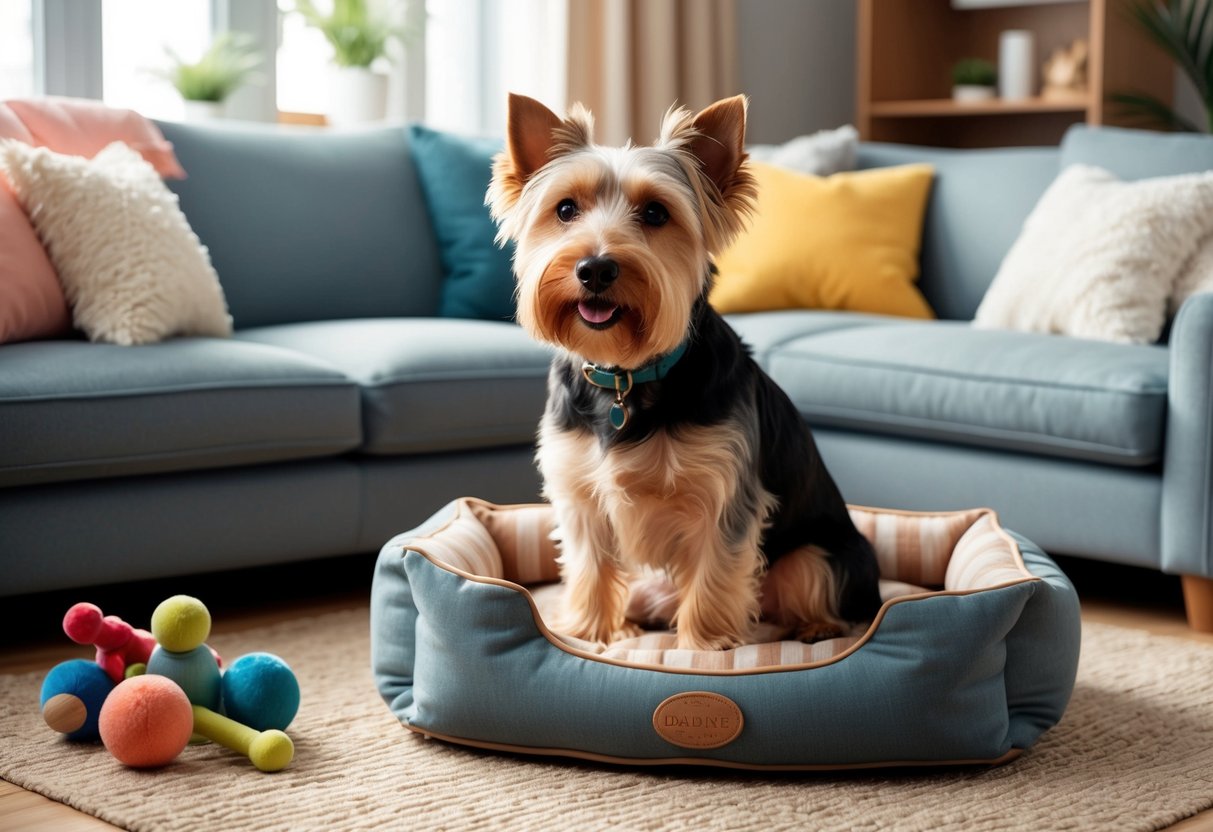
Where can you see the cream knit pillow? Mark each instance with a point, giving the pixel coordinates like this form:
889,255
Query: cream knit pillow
1195,278
131,267
1098,258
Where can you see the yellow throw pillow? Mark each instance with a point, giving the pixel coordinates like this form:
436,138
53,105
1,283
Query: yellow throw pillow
848,241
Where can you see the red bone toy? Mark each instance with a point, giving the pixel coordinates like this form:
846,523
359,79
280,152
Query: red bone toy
118,643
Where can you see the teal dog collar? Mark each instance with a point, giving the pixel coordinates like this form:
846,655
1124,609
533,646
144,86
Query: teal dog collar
622,381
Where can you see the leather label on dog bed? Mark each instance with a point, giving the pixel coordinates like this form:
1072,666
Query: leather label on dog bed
698,720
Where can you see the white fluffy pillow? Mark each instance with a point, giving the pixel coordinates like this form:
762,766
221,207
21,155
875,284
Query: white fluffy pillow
819,154
1195,278
1097,257
131,267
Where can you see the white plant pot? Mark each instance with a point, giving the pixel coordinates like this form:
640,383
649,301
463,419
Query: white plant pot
356,95
972,92
200,111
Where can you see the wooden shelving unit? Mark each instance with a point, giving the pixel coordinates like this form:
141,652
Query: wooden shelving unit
907,48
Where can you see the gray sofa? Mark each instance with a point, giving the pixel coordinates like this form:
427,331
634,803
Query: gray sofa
342,411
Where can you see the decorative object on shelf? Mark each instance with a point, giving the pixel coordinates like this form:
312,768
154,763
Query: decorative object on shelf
361,33
1016,64
973,79
229,63
1065,72
1181,28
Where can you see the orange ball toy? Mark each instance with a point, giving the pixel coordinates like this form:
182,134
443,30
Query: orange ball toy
146,721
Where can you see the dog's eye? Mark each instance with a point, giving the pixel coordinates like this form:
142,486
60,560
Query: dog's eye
567,210
655,214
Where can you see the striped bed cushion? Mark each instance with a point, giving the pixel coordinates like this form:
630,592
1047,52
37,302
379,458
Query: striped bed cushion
952,552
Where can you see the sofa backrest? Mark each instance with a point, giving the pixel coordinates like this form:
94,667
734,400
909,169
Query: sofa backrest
979,201
1137,154
307,224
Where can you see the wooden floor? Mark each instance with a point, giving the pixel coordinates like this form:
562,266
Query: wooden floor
31,639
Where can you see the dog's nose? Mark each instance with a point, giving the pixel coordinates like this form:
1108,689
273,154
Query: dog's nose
597,273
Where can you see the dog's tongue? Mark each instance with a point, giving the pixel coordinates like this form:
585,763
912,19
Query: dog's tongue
596,313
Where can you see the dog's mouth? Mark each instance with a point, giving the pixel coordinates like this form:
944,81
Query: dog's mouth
598,313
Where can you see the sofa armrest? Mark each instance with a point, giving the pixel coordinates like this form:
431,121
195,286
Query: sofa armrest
1187,486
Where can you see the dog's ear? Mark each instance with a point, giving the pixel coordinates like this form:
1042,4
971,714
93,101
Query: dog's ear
532,132
720,141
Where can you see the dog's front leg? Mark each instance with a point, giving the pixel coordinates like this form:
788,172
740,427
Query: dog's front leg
718,585
595,584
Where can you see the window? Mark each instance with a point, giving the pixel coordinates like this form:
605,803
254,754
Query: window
134,35
304,56
479,51
16,49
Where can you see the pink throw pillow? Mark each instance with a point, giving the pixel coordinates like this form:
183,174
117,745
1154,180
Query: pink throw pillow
32,304
79,127
31,300
11,126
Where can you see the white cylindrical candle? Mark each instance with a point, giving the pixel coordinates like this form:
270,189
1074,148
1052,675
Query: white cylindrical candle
1016,64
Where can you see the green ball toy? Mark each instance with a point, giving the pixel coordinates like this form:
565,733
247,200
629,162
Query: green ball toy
181,623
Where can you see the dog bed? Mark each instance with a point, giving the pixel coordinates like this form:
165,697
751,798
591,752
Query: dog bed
970,659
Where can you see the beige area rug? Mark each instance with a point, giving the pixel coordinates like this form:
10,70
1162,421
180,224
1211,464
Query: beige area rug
1135,751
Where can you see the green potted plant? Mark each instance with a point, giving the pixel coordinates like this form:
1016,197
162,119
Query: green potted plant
360,32
973,79
229,63
1183,29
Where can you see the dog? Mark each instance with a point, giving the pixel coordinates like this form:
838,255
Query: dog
664,449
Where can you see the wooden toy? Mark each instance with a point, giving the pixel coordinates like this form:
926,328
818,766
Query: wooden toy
260,691
72,696
270,750
118,643
146,721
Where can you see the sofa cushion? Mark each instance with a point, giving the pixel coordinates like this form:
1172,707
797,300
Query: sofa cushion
764,332
454,171
431,384
848,241
1145,154
1041,394
306,225
73,410
978,203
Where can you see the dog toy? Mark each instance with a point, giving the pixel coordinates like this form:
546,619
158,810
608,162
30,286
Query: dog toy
72,696
180,625
260,691
269,750
118,643
146,721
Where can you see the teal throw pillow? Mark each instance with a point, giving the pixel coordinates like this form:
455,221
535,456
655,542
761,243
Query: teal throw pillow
454,171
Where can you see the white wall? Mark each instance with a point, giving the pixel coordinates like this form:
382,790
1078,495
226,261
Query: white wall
796,62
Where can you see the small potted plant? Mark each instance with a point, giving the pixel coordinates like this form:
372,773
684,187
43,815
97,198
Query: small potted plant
360,32
205,84
973,79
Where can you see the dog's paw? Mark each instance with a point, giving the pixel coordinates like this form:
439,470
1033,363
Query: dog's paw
819,631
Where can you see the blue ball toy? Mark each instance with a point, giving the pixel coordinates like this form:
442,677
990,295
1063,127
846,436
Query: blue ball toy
72,696
260,691
195,671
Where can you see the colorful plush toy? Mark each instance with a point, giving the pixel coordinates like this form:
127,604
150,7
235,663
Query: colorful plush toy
260,690
268,750
146,721
173,689
180,625
118,643
72,696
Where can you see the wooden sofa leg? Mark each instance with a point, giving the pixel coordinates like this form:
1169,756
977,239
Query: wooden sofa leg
1198,600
